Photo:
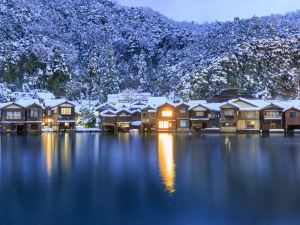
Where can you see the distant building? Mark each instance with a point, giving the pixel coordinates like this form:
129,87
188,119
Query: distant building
127,96
227,94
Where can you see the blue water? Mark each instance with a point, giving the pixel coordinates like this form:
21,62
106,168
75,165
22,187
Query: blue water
142,179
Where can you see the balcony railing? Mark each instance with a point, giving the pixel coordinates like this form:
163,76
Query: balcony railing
273,117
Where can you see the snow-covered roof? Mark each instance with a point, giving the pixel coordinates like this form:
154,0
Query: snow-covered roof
28,102
135,111
209,106
125,110
254,104
168,103
104,105
193,103
292,107
56,102
108,113
21,95
2,105
45,95
156,101
279,104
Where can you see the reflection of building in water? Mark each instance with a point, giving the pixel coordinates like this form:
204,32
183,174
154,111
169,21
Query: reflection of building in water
166,160
48,142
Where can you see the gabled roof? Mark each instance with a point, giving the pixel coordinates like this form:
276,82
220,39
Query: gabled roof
230,104
181,103
44,95
105,105
56,102
193,103
156,101
168,103
123,110
135,111
255,104
3,105
149,107
208,106
29,102
139,103
108,113
280,105
292,107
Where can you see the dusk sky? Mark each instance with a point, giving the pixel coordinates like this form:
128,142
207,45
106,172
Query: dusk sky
212,10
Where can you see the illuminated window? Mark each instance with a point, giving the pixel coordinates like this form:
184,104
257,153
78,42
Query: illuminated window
167,113
66,111
250,124
13,115
163,124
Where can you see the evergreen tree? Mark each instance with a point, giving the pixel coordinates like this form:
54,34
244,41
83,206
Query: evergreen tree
59,75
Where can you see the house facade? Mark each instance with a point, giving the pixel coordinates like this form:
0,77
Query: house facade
229,117
59,115
248,119
292,118
13,118
148,118
166,117
271,117
34,118
182,117
108,120
123,120
203,116
136,120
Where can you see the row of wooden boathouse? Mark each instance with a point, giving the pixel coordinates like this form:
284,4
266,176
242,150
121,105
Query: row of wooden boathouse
236,115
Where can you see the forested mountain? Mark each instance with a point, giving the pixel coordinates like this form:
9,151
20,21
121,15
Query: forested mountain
88,48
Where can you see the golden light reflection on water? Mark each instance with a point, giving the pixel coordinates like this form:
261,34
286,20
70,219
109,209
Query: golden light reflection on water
48,142
166,160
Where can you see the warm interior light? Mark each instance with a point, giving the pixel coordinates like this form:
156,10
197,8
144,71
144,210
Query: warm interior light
163,124
167,113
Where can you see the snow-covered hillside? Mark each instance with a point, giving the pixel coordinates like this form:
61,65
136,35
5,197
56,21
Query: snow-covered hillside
89,48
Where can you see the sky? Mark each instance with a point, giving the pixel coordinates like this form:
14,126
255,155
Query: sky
211,10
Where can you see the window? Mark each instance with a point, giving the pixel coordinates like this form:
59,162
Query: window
13,115
213,115
293,115
183,123
250,124
166,113
182,110
199,114
248,115
34,113
163,124
153,115
272,114
145,115
228,112
66,111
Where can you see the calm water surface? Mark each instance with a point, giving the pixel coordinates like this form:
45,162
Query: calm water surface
176,179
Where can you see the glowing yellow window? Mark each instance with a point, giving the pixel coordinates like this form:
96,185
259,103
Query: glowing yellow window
163,124
167,113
